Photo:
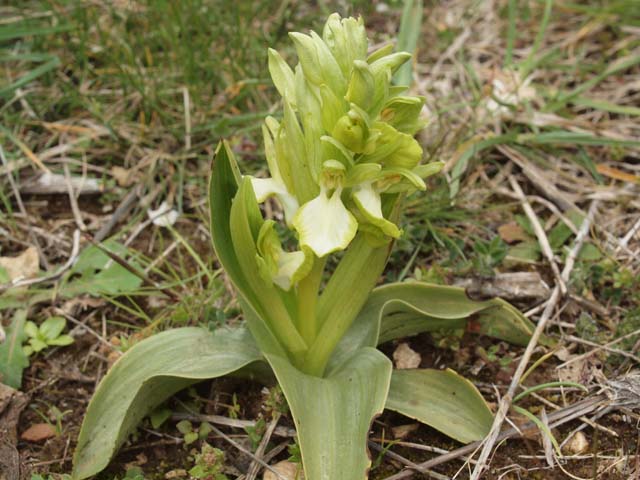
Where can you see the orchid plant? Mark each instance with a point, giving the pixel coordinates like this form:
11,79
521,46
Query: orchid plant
341,158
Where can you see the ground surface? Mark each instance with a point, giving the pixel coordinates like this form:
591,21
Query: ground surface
524,98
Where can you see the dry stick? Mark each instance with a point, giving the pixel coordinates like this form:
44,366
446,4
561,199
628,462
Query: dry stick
73,200
505,403
230,422
631,356
598,348
540,234
75,250
247,452
254,469
582,419
407,462
556,418
625,240
123,263
121,211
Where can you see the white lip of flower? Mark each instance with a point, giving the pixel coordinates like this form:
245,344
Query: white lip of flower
324,224
274,187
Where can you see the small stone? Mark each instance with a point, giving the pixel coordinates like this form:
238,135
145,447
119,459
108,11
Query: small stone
38,432
403,431
405,357
287,469
177,473
578,444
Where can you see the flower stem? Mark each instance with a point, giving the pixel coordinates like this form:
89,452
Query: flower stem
308,289
342,299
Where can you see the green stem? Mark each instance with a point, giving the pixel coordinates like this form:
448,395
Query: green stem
342,299
308,289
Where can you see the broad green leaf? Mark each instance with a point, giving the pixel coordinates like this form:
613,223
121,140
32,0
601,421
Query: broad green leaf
528,252
333,414
99,274
443,400
149,373
223,189
52,327
401,309
13,360
246,222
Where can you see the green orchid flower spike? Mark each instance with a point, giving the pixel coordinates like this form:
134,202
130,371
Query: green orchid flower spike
341,159
353,134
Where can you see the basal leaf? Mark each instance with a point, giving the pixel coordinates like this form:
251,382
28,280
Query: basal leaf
333,414
402,309
149,373
233,235
12,358
443,400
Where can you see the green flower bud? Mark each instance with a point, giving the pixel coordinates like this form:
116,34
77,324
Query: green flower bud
351,133
332,108
361,85
318,63
403,113
347,40
395,149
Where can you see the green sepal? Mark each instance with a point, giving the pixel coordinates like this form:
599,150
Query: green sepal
403,113
361,85
246,222
282,76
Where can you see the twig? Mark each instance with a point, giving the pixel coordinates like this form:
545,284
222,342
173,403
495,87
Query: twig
540,233
598,348
121,211
247,452
123,263
556,419
75,250
231,422
407,462
254,468
505,403
73,200
625,240
603,347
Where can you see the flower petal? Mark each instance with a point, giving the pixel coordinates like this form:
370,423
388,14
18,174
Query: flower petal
292,266
277,266
370,204
268,187
324,224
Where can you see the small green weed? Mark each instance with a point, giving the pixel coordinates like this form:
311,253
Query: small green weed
48,334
